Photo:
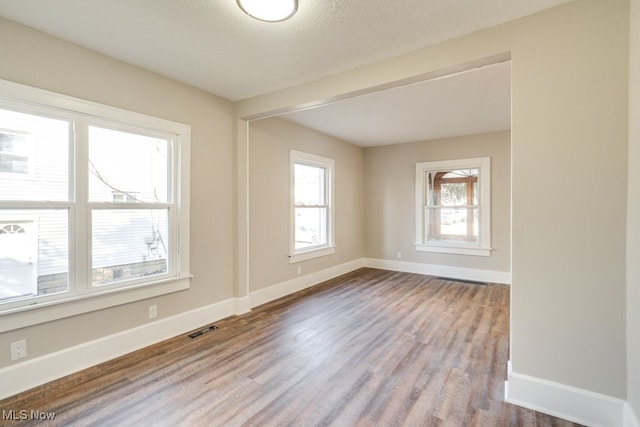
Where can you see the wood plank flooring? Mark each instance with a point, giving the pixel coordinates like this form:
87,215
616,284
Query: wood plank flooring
371,348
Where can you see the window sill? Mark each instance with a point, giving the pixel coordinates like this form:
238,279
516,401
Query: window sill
453,249
42,312
311,253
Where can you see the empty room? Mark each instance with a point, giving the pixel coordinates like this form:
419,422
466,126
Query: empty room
320,213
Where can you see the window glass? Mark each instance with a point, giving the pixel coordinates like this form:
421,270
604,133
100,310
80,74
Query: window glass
310,227
311,199
310,207
34,157
453,205
34,252
127,167
129,244
309,185
90,196
15,152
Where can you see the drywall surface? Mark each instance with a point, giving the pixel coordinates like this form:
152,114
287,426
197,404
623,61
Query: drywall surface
633,216
390,198
45,62
569,177
270,141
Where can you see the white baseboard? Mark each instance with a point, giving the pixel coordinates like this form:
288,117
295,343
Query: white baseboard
441,270
31,373
34,372
263,296
563,401
279,290
242,305
629,416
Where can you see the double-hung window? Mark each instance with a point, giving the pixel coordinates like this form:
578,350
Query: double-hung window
129,234
94,200
311,179
453,206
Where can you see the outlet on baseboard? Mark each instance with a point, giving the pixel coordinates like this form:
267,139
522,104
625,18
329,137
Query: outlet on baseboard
299,269
153,311
399,255
19,350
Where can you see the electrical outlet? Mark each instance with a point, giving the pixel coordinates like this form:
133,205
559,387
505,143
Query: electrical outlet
399,255
153,311
299,269
19,350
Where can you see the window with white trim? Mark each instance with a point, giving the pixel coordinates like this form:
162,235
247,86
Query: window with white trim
453,206
99,197
311,179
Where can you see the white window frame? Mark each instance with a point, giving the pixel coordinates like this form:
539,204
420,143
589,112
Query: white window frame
299,157
82,297
480,248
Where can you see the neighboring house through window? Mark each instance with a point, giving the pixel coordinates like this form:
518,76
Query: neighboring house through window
311,180
453,206
16,152
92,200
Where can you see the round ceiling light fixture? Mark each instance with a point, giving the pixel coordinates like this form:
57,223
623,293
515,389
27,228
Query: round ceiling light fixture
269,10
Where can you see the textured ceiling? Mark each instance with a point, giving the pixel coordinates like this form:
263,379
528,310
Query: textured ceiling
473,102
213,45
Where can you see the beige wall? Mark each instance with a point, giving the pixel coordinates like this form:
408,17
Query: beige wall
390,198
569,170
42,61
569,156
269,143
633,217
569,133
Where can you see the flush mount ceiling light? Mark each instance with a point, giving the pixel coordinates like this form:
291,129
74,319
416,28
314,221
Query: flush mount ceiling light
269,10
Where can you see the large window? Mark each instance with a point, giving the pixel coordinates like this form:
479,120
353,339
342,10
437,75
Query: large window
453,206
93,200
312,210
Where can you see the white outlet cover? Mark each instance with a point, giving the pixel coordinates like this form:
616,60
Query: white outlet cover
19,350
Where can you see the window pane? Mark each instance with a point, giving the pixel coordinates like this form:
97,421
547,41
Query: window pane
127,168
453,194
129,244
310,227
452,224
34,253
461,173
34,157
309,185
16,149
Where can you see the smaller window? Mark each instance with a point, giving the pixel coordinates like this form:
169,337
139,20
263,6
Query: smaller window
453,206
311,206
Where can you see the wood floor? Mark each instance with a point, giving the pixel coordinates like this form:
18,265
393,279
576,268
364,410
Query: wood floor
371,348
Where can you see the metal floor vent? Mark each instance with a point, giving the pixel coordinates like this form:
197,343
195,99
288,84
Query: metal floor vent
470,282
203,331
